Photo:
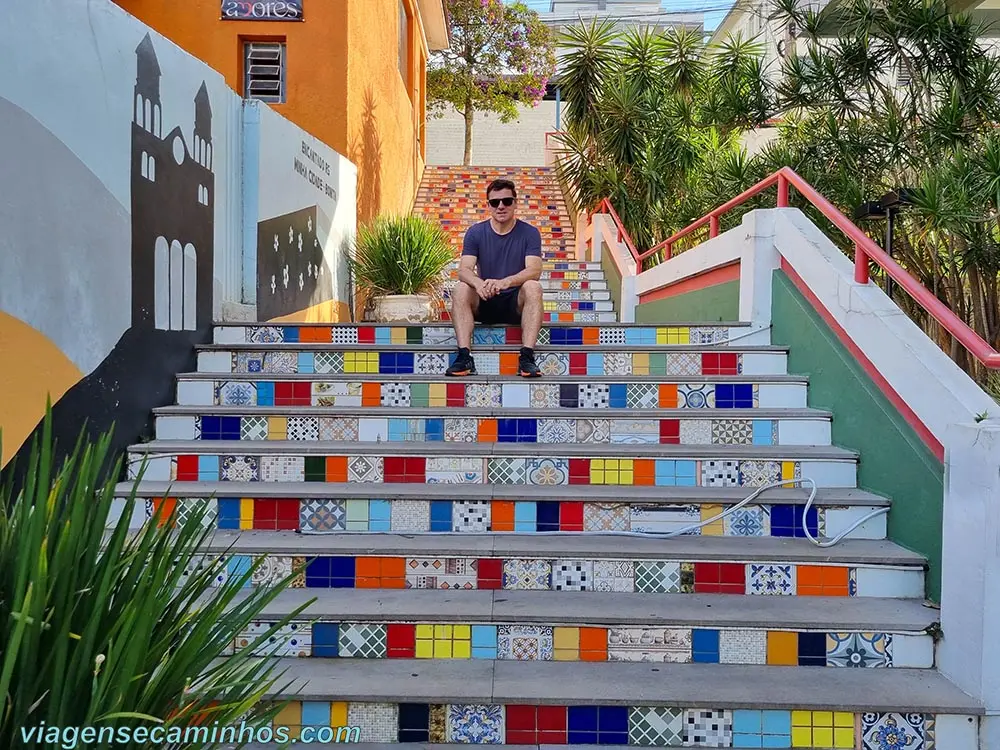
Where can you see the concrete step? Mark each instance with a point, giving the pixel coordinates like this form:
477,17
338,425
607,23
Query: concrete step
493,391
492,359
466,425
554,334
494,463
599,626
595,509
590,564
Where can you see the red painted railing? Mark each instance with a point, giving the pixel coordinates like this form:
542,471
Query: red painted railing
865,250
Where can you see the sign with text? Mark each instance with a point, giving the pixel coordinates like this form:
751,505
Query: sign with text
262,10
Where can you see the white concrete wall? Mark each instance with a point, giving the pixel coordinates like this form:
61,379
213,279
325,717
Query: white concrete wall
520,143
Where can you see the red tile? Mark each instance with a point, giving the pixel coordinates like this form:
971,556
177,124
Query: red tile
265,514
557,275
394,469
455,394
415,470
187,468
578,363
670,431
302,394
366,335
732,578
489,573
579,471
570,516
552,725
287,514
514,335
401,641
521,719
284,394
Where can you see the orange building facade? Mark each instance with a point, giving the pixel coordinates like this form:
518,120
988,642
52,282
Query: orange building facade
350,72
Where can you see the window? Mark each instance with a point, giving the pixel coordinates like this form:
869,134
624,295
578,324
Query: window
404,43
264,71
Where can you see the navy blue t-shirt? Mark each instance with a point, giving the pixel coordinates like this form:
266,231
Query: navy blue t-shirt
502,255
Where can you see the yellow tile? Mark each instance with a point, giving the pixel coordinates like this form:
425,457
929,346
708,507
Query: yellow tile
802,737
843,719
350,362
783,649
802,718
442,649
290,716
788,472
277,428
566,638
572,275
640,364
338,714
822,736
462,632
626,477
716,528
597,463
596,477
566,654
424,649
611,463
397,335
246,513
442,631
462,649
843,738
549,306
438,394
626,464
425,631
822,718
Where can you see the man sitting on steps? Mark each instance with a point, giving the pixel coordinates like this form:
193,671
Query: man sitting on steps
506,291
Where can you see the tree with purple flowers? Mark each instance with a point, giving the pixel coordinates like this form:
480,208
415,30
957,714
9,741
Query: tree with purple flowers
501,55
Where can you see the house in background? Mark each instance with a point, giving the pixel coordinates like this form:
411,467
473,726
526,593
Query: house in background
352,73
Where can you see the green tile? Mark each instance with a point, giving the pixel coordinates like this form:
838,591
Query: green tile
658,363
357,515
420,394
315,468
414,335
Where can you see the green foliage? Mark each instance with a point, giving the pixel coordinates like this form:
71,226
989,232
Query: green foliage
400,255
500,55
101,626
648,111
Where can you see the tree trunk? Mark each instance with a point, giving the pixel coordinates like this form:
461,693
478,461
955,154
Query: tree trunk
469,113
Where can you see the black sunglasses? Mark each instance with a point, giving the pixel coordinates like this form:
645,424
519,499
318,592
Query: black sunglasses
495,202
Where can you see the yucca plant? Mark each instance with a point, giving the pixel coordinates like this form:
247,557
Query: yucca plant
113,628
400,255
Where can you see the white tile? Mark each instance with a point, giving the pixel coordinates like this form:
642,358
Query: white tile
195,392
787,395
890,584
831,473
157,467
215,362
747,336
765,363
175,428
119,506
373,430
516,396
838,520
956,732
804,432
913,651
229,335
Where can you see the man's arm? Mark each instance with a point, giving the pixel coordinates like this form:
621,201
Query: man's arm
467,266
531,272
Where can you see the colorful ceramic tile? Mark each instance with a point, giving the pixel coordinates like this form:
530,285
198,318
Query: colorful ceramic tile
547,471
828,729
529,575
379,722
861,650
606,517
572,575
770,579
655,726
750,520
742,646
657,577
471,516
524,642
410,515
614,575
707,728
653,645
475,724
362,640
322,515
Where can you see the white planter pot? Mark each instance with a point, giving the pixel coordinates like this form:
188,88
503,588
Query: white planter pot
404,308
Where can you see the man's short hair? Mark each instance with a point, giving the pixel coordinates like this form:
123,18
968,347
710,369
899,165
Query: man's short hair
501,184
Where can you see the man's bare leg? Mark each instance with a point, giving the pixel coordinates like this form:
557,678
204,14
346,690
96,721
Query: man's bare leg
464,304
529,304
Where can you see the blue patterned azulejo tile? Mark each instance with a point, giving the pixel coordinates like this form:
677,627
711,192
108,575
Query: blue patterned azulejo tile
894,731
859,649
475,724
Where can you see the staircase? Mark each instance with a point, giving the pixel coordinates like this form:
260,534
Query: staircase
491,556
455,197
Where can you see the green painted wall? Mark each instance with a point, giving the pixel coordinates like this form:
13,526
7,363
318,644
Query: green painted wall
614,278
709,305
895,462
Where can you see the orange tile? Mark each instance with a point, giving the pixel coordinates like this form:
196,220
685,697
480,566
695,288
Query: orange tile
823,580
644,472
593,644
668,396
566,317
168,505
393,573
502,515
782,649
508,363
591,336
315,335
371,394
336,469
487,431
367,572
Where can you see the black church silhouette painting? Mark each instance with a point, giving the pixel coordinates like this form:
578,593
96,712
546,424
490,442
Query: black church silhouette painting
173,208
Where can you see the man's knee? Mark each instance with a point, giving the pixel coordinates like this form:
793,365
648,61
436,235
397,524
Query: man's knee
532,290
464,296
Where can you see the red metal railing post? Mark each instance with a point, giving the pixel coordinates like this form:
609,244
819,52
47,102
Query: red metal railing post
860,265
713,226
782,191
668,250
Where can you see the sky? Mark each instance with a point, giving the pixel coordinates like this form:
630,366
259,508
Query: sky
712,19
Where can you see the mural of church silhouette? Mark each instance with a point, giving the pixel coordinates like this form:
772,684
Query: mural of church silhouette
173,208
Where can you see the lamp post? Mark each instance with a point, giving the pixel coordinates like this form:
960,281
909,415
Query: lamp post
886,208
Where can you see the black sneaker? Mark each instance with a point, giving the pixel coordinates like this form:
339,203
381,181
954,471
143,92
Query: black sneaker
463,365
526,366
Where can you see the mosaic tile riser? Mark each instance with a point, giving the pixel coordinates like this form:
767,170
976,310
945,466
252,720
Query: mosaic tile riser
496,395
488,430
487,363
592,643
638,472
532,574
563,336
645,726
496,516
